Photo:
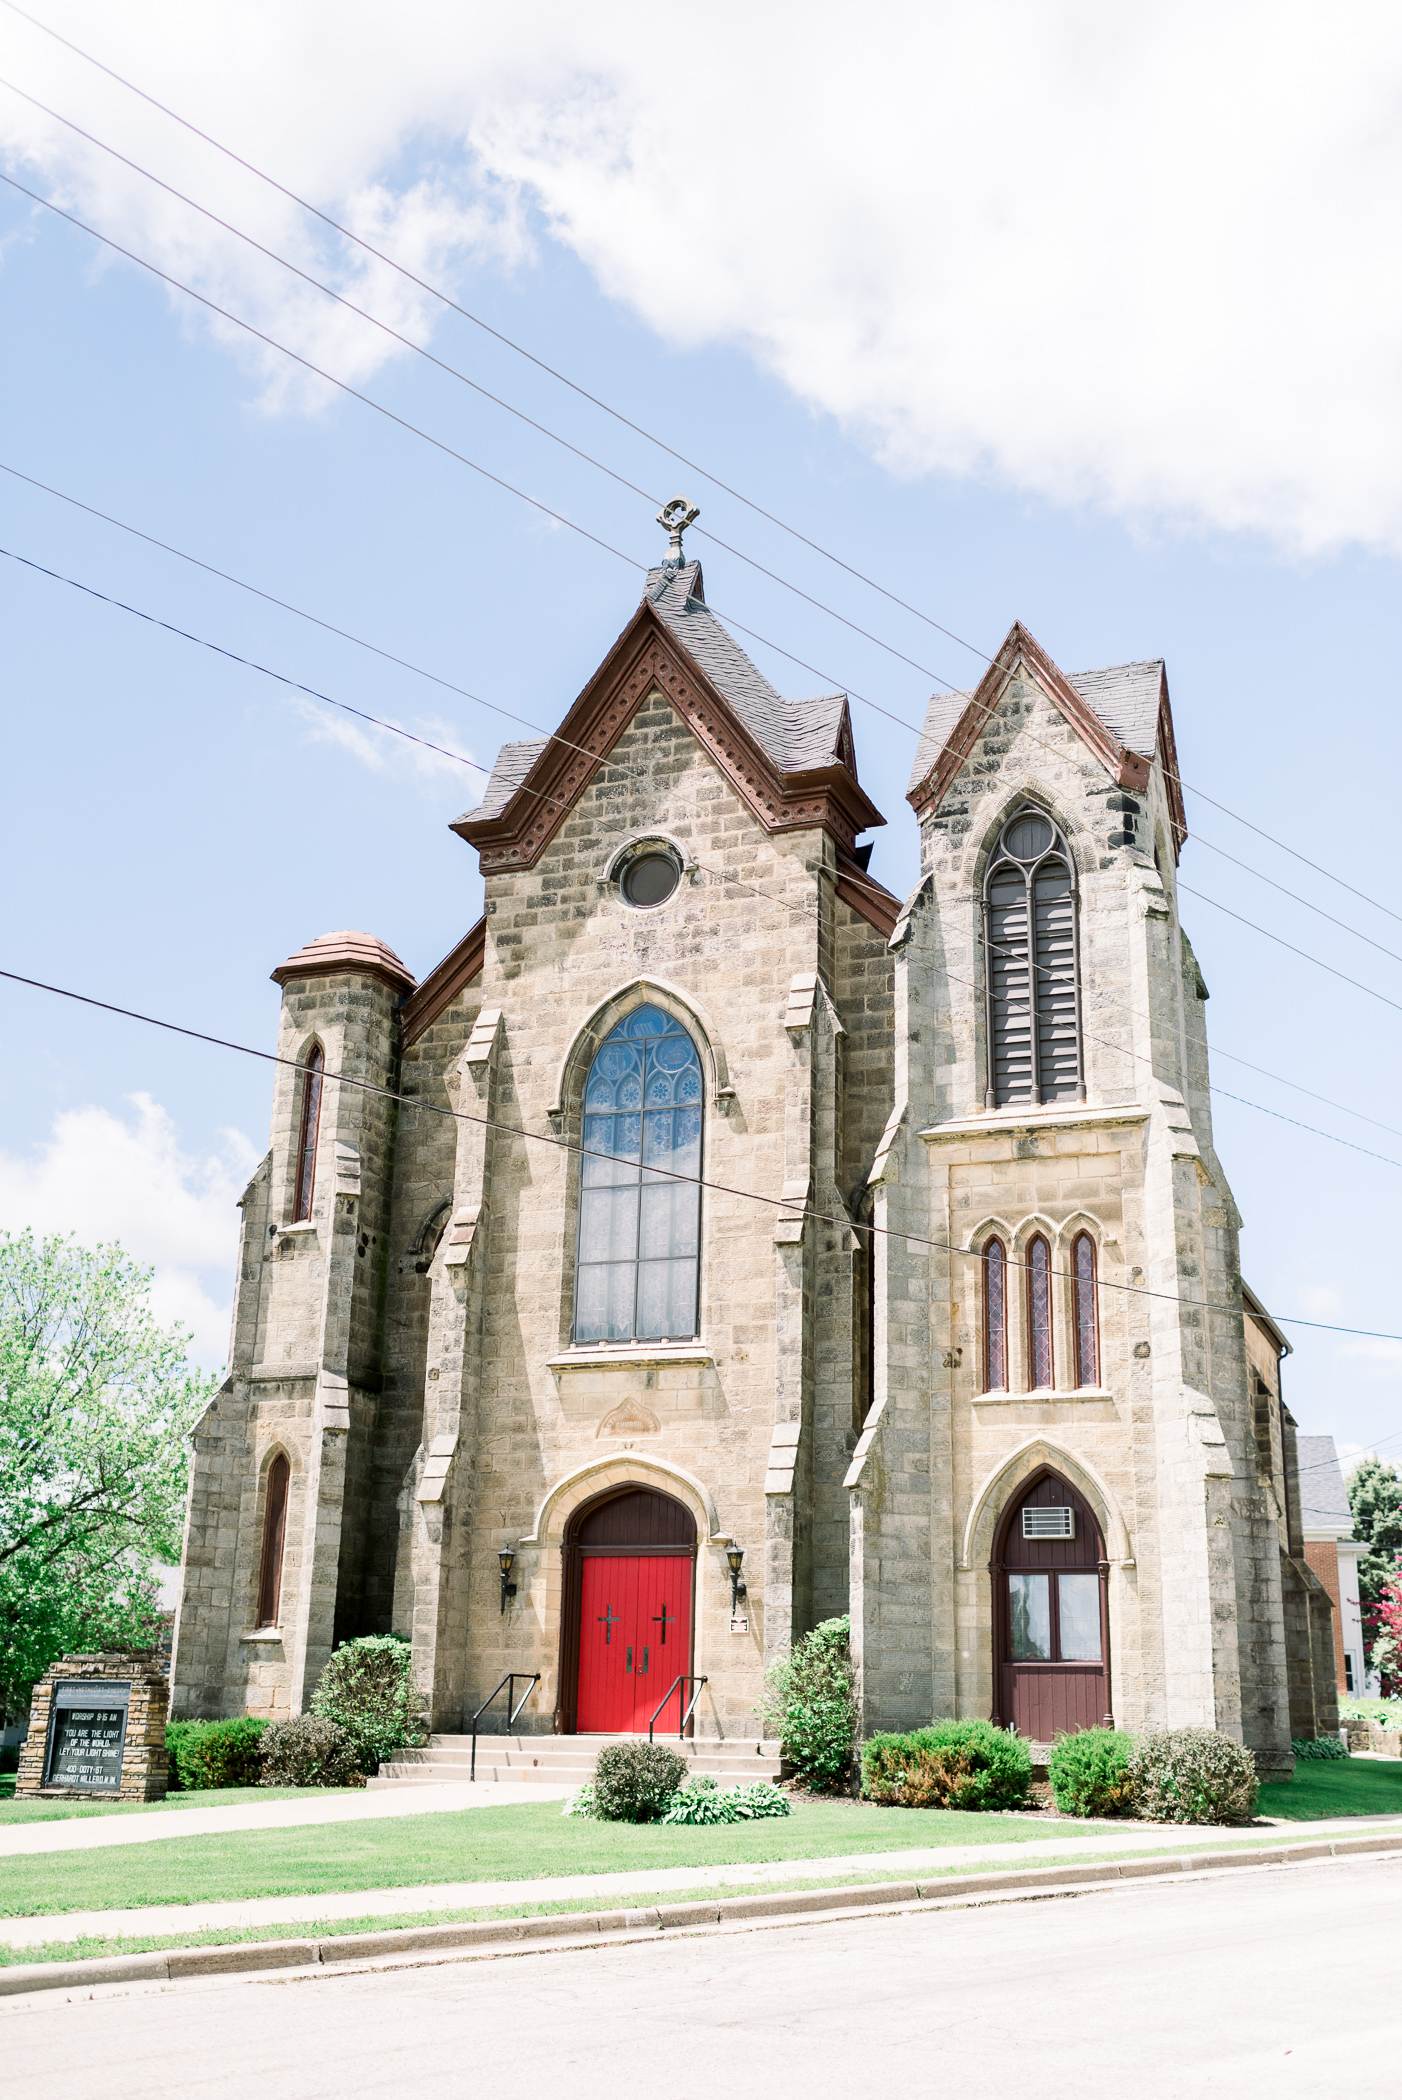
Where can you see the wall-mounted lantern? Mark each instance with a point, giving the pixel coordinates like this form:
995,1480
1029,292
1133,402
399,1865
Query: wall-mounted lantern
734,1558
506,1560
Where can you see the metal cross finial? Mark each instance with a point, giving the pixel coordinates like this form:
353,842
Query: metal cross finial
674,517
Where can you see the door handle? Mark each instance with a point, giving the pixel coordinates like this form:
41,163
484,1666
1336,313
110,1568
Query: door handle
642,1668
629,1664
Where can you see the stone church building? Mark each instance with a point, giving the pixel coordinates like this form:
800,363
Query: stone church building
714,1243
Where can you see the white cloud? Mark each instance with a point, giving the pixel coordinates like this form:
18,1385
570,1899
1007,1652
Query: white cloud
102,1178
380,750
1129,257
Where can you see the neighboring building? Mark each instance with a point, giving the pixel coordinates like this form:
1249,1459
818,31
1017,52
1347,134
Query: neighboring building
708,1199
1326,1522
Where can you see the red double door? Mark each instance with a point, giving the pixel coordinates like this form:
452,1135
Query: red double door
634,1639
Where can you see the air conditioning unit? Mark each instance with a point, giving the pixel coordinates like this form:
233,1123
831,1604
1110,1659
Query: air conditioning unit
1049,1523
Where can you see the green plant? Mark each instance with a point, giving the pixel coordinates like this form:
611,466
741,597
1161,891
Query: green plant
1387,1714
580,1803
810,1704
214,1753
953,1764
1089,1773
308,1750
1193,1775
635,1782
701,1801
762,1798
1322,1747
366,1688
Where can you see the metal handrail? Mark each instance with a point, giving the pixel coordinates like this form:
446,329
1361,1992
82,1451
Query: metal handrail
510,1678
698,1682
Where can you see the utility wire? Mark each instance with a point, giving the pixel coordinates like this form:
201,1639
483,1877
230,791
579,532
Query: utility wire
720,1188
1356,982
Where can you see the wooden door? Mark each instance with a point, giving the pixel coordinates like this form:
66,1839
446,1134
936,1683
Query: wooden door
1050,1613
634,1639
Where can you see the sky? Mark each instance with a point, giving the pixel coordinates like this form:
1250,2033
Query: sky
1073,314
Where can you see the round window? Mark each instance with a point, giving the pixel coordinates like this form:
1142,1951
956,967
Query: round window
1027,836
650,879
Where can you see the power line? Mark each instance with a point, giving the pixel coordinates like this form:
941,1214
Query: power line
1357,983
1295,898
720,1188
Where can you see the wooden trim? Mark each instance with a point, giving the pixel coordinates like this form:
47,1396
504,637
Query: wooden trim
1126,767
869,900
1168,759
648,658
444,982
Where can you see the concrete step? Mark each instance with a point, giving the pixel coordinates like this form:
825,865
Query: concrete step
545,1760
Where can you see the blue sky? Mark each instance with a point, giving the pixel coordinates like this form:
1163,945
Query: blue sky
175,825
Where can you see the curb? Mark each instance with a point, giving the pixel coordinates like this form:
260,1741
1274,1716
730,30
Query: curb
175,1963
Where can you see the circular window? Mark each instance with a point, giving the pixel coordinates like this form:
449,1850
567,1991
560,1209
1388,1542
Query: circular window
650,879
1027,836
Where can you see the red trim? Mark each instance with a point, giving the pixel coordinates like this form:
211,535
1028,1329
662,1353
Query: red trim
1168,759
868,899
443,983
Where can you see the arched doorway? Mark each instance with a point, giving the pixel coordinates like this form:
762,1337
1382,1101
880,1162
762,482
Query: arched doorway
627,1601
1051,1624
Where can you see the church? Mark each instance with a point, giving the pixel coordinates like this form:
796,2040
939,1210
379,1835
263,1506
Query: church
714,1243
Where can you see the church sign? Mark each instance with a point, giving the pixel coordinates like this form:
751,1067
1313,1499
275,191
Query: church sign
87,1734
97,1726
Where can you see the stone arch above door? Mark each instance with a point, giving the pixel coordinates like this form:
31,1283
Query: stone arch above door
1003,1483
624,1469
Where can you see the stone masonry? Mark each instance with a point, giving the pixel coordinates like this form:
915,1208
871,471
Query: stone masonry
145,1766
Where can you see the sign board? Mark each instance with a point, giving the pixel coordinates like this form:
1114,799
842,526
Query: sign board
739,1625
87,1735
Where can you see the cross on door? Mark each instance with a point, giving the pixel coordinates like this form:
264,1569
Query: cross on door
662,1621
608,1619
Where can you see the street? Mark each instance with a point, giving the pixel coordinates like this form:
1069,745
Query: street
1271,1980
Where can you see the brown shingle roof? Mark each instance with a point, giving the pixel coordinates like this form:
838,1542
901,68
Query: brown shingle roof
340,954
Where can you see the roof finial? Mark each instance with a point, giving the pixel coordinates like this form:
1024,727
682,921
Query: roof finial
674,517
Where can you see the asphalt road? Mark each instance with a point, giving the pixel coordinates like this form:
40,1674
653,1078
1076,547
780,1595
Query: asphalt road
1263,1981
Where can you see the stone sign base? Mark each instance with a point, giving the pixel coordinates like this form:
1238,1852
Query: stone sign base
97,1730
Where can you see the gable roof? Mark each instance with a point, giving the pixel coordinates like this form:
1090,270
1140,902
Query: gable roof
1121,712
1323,1496
792,762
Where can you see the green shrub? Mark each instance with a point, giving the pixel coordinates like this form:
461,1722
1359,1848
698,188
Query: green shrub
1321,1746
1089,1773
366,1689
1193,1775
954,1764
214,1753
310,1751
580,1803
635,1782
810,1704
761,1798
702,1801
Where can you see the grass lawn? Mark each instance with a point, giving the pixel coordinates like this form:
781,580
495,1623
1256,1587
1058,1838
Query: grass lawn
1342,1787
12,1811
480,1844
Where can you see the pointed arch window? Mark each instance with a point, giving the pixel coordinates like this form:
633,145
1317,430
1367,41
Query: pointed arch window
639,1250
1031,970
313,1068
995,1317
274,1530
1039,1315
1084,1310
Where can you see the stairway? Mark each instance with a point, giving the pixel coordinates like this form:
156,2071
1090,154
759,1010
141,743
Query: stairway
566,1760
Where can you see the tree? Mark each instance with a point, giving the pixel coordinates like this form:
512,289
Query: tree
96,1403
1375,1498
1382,1631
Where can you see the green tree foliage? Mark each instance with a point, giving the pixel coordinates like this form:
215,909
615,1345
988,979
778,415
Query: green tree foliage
810,1704
96,1402
1375,1497
367,1689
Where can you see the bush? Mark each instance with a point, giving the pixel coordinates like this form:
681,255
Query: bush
310,1751
702,1801
1320,1746
1193,1775
954,1764
365,1688
1089,1773
810,1704
763,1799
635,1782
580,1803
214,1753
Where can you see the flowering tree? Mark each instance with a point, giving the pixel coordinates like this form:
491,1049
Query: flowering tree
1382,1624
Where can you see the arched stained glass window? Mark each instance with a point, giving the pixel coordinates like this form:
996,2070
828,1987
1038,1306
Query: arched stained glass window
640,1233
995,1317
1083,1294
312,1071
274,1528
1039,1323
1030,966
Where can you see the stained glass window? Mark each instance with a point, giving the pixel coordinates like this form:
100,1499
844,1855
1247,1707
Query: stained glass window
1039,1325
995,1318
1083,1292
639,1229
306,1140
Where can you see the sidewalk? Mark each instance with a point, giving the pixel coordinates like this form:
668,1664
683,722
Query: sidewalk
473,1895
76,1836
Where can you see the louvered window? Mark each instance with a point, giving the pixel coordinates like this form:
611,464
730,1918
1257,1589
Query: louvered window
1031,968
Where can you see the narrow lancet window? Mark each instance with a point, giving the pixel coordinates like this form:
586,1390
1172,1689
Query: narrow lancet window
1039,1317
995,1318
1083,1295
1031,971
312,1070
274,1528
639,1254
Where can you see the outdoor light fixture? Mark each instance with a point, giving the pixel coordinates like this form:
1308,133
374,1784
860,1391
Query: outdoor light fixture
506,1560
734,1556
